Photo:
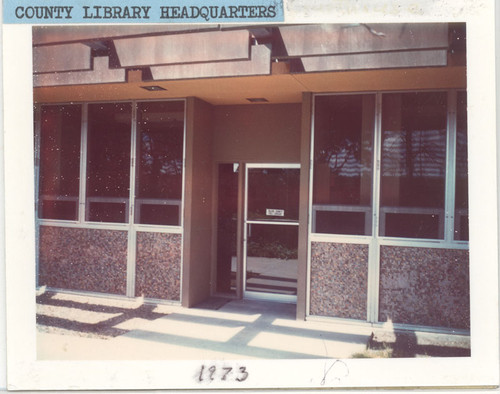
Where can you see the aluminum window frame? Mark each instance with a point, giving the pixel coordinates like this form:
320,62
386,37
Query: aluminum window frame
311,174
375,241
81,222
37,109
447,242
131,227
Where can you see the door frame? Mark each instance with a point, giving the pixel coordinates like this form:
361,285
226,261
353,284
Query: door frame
243,267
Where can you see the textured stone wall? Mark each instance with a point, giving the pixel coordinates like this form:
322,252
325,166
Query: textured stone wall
158,266
339,280
424,286
83,259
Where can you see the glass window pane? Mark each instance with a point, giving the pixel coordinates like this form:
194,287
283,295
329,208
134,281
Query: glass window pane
461,177
343,155
271,262
59,162
413,166
159,163
108,162
273,194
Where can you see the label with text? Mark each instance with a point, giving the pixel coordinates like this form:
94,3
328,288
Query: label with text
142,11
275,212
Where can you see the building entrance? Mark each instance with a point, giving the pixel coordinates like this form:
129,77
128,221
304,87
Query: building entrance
257,244
270,236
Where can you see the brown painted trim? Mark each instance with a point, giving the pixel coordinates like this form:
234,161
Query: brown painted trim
305,151
239,229
215,211
188,197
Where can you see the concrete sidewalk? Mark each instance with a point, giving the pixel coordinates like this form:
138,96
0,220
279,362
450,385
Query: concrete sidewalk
92,328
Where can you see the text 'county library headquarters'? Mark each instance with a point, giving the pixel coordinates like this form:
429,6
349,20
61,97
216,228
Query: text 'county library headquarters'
324,165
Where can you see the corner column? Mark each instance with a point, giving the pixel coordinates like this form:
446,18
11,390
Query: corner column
305,169
197,233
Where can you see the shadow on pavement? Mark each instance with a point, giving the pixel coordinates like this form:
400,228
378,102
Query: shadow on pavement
406,345
101,329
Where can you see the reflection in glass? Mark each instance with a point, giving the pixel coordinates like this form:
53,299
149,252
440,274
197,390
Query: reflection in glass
413,166
273,194
272,258
343,155
108,162
59,162
461,175
159,171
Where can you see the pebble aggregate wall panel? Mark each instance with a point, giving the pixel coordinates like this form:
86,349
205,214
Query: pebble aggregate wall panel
183,48
258,64
66,57
424,286
316,40
158,266
83,259
339,280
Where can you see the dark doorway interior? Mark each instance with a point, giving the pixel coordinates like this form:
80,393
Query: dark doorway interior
227,227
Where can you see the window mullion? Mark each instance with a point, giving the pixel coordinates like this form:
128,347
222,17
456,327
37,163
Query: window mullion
37,144
133,156
83,165
374,255
450,167
132,244
377,149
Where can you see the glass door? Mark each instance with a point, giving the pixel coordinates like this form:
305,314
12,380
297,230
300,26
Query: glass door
271,231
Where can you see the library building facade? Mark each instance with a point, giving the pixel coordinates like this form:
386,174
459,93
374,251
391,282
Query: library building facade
322,165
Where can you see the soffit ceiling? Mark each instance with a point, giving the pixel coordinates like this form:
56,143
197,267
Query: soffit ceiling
281,88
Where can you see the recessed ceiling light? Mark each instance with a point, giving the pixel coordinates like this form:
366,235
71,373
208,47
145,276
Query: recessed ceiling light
153,88
257,100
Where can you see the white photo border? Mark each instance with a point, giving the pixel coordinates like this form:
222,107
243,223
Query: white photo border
25,372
